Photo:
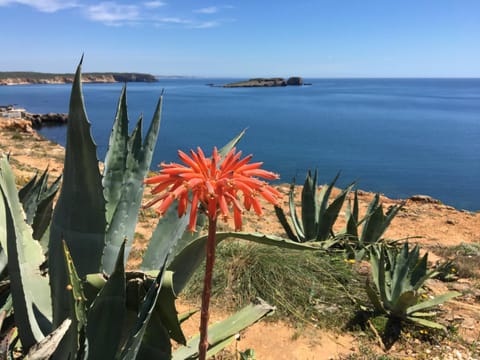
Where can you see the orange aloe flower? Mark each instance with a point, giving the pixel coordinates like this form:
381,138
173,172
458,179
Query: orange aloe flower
215,184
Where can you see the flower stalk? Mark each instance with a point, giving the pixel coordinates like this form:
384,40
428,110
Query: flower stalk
216,185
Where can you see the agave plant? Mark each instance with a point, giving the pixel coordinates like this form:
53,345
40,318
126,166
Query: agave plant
399,276
375,223
87,295
317,216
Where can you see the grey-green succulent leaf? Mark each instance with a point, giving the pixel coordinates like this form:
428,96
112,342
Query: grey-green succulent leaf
79,215
106,316
125,215
134,341
29,288
225,329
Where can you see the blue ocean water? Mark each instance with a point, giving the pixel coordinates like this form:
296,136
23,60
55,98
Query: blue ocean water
399,137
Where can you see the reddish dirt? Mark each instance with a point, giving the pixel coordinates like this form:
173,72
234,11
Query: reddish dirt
422,220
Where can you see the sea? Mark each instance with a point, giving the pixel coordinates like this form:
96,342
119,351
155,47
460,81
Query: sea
399,137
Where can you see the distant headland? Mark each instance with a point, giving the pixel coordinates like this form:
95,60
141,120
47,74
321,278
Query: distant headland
26,78
266,82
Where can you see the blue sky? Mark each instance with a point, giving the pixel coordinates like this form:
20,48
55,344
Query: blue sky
243,38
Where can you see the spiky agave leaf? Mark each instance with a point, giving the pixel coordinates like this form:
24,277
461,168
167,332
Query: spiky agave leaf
138,160
79,216
29,289
106,316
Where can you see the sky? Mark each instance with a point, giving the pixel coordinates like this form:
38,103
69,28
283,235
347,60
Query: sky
244,38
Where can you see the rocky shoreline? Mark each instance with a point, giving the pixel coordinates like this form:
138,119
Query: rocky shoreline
50,119
31,78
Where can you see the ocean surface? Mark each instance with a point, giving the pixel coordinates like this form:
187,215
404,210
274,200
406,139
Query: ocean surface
400,137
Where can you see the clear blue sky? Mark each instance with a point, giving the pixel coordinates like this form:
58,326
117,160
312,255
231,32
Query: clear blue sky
243,38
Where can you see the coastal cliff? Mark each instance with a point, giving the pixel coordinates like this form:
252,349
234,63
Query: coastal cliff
26,78
267,82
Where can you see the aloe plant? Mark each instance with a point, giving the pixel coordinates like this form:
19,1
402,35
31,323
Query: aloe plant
317,215
399,277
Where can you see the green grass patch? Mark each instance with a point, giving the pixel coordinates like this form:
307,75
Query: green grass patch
305,286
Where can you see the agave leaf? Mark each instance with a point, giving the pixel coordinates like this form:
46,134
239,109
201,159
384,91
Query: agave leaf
309,207
186,315
30,293
79,216
125,216
401,304
352,218
372,227
44,211
231,144
25,192
169,230
326,221
106,316
186,262
286,226
297,224
426,323
166,310
418,272
225,329
383,287
325,195
432,302
134,341
45,348
400,273
75,335
29,195
213,350
372,295
116,157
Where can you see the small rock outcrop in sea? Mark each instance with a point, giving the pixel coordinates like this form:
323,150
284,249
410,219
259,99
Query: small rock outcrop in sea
39,120
295,81
266,82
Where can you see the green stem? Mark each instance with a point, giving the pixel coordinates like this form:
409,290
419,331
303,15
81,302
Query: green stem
207,288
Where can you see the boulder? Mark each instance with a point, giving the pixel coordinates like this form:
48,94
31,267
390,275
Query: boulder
295,80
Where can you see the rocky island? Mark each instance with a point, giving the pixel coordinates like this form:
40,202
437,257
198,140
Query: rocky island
26,78
267,82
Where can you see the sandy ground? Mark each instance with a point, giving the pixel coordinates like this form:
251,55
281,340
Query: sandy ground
423,220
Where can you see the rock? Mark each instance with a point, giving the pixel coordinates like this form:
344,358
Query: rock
39,120
424,199
295,81
266,82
